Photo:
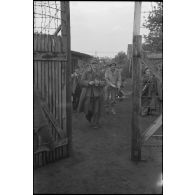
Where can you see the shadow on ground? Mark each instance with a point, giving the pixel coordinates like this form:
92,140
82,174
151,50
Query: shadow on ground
101,161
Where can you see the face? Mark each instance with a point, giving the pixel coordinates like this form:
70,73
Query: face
77,70
147,72
112,68
94,67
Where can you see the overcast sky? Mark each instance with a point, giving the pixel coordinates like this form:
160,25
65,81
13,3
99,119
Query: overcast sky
103,28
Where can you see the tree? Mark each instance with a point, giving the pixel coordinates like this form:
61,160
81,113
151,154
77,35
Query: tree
120,59
154,23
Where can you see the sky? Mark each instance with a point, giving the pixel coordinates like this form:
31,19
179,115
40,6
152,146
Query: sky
103,28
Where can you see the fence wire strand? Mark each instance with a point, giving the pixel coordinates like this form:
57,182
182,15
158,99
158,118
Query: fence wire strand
47,17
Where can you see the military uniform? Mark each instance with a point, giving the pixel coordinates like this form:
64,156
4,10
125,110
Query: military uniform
91,95
113,83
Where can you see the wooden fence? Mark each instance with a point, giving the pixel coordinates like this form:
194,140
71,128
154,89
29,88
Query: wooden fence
49,79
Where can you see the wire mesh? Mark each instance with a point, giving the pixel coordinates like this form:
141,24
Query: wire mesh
47,16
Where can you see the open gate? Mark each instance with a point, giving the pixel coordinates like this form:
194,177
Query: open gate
51,78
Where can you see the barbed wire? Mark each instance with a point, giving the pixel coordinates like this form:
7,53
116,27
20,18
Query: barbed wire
47,16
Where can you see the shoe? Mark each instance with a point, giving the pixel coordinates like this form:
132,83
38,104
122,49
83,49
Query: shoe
95,127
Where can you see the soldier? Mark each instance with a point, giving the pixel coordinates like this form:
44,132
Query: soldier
113,84
76,89
92,82
149,93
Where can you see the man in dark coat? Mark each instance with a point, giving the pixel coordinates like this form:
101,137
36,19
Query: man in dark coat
76,88
92,82
149,93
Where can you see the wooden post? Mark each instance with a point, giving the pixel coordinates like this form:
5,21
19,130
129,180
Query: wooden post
67,106
136,96
137,18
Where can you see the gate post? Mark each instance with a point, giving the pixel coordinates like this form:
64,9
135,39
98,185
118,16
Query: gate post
136,95
136,100
67,106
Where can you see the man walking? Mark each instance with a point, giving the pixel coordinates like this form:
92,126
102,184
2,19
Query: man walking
76,89
149,93
92,82
113,84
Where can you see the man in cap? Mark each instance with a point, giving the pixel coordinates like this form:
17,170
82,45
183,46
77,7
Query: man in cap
92,82
113,83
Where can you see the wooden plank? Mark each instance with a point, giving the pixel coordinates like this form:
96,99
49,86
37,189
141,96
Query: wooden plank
63,100
53,99
59,44
60,152
136,100
53,89
39,76
49,43
46,84
46,43
53,121
55,43
50,156
57,90
47,157
35,42
53,156
153,128
40,159
43,43
43,158
50,88
35,74
39,58
65,152
42,79
51,92
49,56
52,43
56,153
60,94
38,42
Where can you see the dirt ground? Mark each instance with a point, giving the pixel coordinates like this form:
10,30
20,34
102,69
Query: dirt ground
101,162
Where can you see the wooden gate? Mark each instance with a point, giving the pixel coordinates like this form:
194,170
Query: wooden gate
49,79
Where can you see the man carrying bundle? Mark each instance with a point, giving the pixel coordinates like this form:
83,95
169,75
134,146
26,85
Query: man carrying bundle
113,84
92,83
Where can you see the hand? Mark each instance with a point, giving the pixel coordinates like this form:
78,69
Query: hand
97,82
91,82
112,85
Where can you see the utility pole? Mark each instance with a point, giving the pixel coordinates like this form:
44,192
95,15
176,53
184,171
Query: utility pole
136,95
66,93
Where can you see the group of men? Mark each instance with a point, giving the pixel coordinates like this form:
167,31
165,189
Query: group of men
96,86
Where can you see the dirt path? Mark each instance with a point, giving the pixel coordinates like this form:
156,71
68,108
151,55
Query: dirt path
101,162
